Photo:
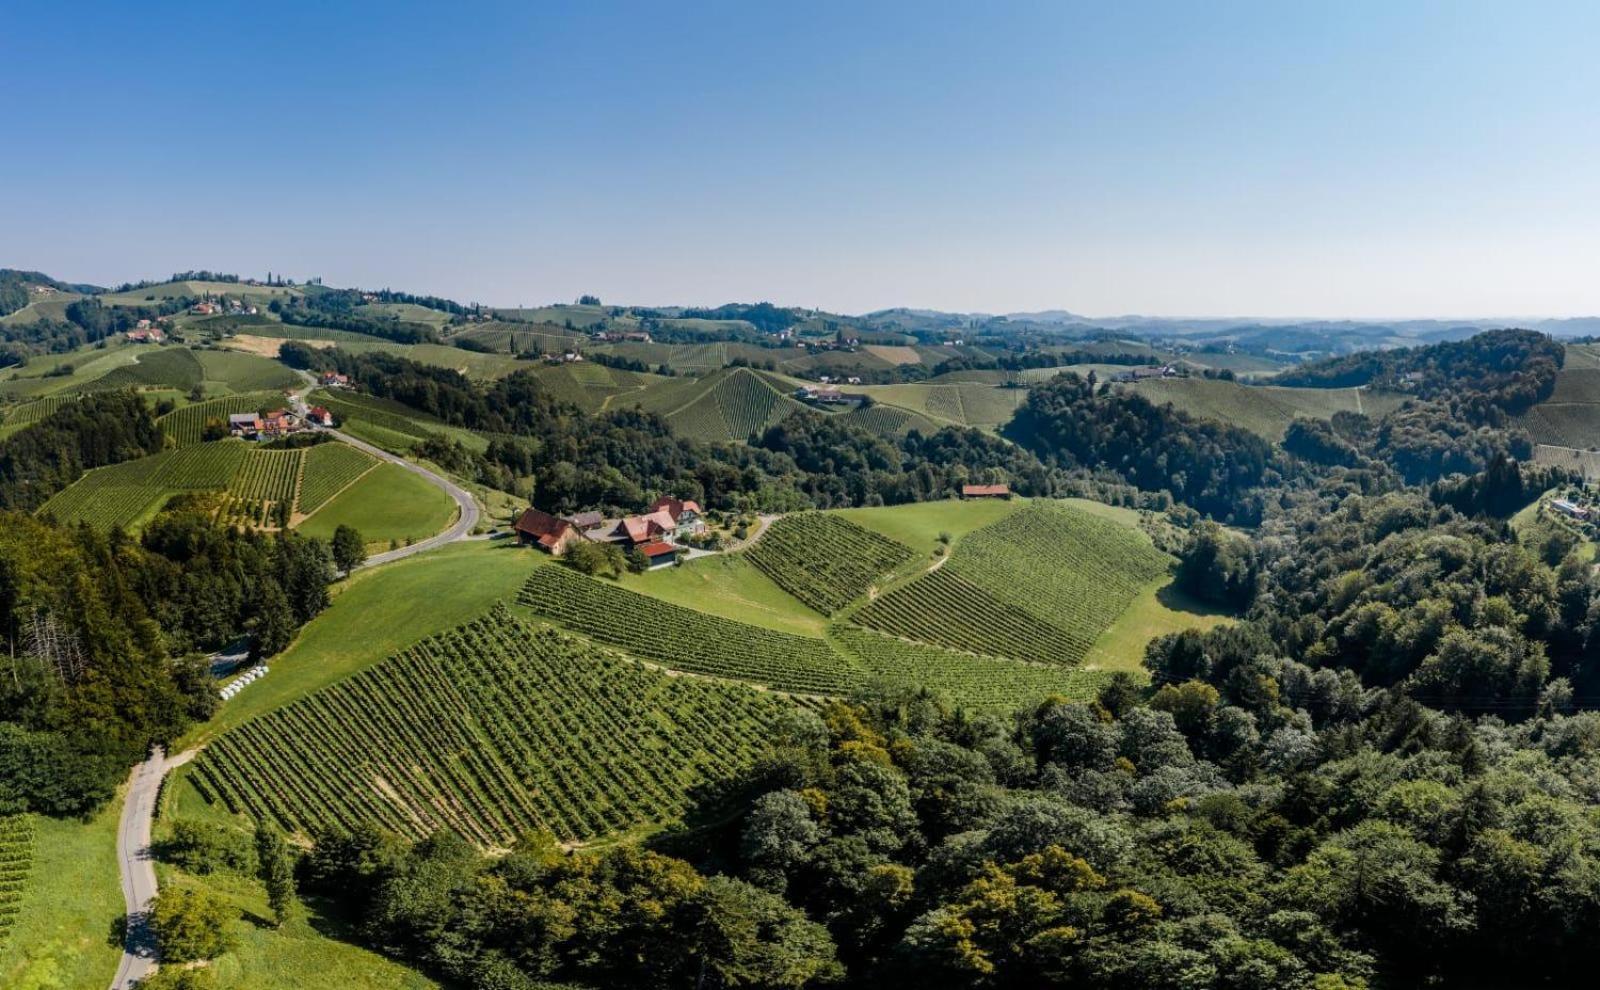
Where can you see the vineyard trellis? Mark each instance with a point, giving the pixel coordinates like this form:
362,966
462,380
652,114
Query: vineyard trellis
16,864
824,560
1039,585
329,469
685,639
494,729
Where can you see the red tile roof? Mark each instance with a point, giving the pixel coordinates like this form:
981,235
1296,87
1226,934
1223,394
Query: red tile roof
546,529
675,507
657,549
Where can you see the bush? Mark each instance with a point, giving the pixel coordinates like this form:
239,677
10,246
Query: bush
206,847
191,925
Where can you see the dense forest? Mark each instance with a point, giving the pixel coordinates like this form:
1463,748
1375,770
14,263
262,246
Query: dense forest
101,429
1216,468
102,636
1504,370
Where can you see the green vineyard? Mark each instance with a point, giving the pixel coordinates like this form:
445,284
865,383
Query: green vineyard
185,425
176,367
981,684
253,480
684,639
727,405
493,729
1038,585
946,610
16,862
329,469
823,560
268,476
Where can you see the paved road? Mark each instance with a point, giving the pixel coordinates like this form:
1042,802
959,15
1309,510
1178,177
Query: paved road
467,506
138,874
138,814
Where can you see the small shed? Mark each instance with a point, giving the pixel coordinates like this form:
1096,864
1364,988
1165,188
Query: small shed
985,491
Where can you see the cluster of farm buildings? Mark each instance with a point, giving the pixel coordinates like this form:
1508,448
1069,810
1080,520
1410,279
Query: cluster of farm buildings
276,423
658,533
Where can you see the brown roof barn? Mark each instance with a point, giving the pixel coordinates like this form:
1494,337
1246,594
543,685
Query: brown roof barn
549,533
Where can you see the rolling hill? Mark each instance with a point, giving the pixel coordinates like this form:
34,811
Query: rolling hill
1266,410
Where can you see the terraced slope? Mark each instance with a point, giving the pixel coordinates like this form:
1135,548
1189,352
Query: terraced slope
823,560
685,639
493,729
1038,585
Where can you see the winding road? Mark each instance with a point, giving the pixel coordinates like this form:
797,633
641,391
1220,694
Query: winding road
144,783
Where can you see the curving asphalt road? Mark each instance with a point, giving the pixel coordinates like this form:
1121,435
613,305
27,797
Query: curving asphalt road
138,873
144,784
466,505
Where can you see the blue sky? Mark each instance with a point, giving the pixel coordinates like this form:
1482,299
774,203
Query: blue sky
1274,159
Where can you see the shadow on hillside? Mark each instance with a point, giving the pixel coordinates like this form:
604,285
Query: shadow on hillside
1178,600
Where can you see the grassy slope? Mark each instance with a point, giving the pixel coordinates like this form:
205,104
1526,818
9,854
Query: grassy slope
918,526
730,586
67,938
306,954
388,503
377,613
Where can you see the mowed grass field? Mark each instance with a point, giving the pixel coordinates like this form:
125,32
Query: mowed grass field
386,504
1265,410
377,613
67,935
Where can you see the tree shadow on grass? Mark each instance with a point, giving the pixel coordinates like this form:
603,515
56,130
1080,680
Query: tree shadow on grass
1178,600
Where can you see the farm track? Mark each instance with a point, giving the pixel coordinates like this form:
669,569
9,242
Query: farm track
139,886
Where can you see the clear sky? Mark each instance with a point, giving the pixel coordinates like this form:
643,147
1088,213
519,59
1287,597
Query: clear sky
1273,159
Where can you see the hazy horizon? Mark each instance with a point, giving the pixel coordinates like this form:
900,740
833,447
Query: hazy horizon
1364,161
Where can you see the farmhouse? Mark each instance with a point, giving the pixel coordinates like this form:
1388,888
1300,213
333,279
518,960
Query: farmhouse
585,520
549,533
825,393
320,416
684,513
278,423
146,335
332,379
246,425
985,491
1154,371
